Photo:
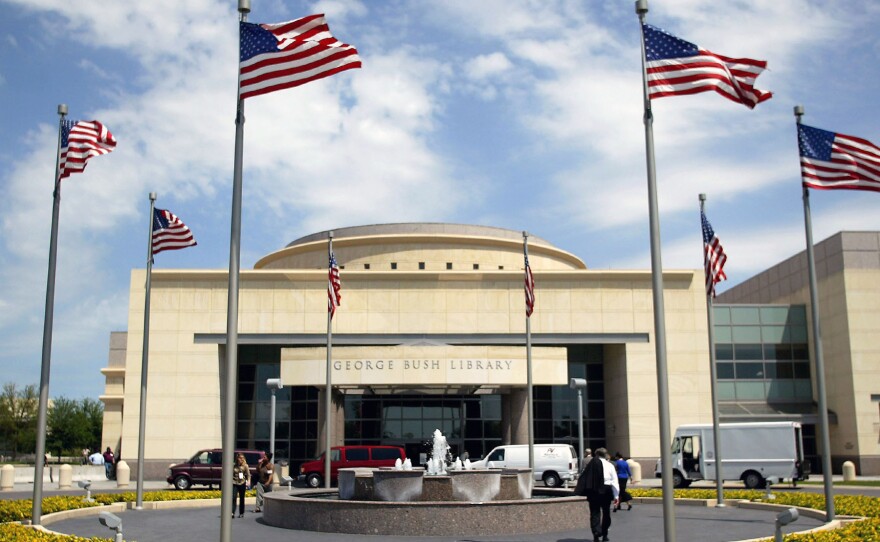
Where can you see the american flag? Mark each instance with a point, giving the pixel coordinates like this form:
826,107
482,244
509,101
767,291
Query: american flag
169,232
529,287
831,161
714,257
334,297
80,140
678,67
286,55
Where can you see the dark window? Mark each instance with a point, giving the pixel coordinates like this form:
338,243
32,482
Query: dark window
366,266
800,352
357,454
476,266
393,265
725,371
500,267
724,351
784,369
386,453
448,265
801,370
750,370
777,351
421,265
747,352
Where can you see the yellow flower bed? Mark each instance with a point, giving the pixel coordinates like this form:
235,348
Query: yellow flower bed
13,532
844,505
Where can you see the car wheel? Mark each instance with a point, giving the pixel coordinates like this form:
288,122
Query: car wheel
677,479
182,482
753,480
314,480
551,479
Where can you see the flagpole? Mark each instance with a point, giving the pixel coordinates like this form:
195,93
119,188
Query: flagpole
817,348
529,402
145,359
228,412
659,310
713,372
328,425
39,458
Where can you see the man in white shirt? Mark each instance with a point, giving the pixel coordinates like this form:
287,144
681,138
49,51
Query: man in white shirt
602,490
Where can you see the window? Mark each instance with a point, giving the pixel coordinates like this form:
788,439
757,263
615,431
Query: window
448,265
421,265
393,265
476,266
366,266
497,455
357,454
386,453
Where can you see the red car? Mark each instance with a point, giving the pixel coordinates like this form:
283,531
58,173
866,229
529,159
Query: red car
344,457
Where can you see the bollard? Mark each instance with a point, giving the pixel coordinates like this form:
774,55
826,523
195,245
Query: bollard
7,478
123,474
849,471
636,469
65,476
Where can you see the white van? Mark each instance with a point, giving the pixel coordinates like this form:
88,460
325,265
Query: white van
554,463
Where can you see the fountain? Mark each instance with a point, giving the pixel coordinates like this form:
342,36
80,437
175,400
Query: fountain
446,498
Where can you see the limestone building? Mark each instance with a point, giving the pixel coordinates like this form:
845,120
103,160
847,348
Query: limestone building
431,335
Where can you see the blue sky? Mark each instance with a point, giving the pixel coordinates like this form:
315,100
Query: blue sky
522,114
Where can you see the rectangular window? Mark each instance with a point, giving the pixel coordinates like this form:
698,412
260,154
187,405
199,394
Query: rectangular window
421,265
744,316
748,352
366,266
749,371
476,266
723,352
777,351
725,371
393,265
448,265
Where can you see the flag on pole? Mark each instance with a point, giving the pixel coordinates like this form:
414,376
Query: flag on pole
285,55
529,287
713,257
836,161
677,67
334,297
80,140
169,232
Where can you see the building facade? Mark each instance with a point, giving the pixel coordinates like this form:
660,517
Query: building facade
431,334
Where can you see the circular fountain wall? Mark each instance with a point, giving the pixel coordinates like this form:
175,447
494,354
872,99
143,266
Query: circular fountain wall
549,510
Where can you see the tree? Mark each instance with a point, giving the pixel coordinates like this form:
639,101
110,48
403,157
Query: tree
73,425
18,418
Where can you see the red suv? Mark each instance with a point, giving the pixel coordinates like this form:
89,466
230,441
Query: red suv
343,457
206,468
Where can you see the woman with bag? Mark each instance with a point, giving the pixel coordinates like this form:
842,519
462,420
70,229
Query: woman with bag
623,474
601,489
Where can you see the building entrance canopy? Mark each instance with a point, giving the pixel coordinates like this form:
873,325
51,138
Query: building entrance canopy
426,368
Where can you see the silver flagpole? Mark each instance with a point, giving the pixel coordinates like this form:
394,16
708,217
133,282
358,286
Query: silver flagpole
529,401
817,348
228,412
659,310
713,373
145,359
328,402
42,414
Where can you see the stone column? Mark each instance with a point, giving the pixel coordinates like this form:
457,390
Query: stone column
519,416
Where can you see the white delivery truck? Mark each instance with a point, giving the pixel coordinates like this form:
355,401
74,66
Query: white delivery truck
554,463
751,452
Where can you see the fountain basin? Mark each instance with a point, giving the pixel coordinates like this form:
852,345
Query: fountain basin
320,511
478,485
393,485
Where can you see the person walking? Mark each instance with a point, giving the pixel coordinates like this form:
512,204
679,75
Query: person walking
623,475
109,461
265,479
602,491
241,479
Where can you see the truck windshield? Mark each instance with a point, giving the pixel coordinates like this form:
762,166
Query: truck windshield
676,445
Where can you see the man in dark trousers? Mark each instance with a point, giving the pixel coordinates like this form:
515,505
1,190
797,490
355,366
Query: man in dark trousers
602,490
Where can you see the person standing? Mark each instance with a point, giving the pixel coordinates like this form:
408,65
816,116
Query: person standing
241,479
602,490
623,475
109,461
265,479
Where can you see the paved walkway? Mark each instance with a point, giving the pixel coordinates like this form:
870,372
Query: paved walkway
643,523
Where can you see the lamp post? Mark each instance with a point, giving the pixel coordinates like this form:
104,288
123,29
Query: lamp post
273,384
579,384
